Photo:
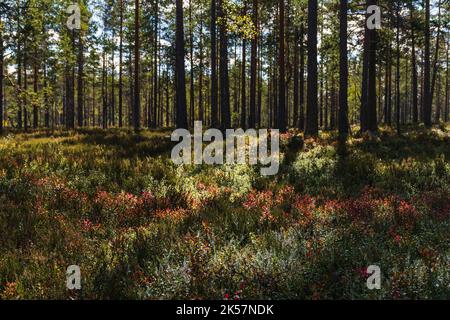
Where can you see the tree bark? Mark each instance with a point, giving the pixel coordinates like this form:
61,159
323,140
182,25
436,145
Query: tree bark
155,102
447,102
1,78
214,84
296,76
243,87
312,112
137,91
253,67
281,123
343,74
121,65
224,80
427,89
200,78
191,80
80,92
397,80
181,113
415,91
301,119
372,125
436,55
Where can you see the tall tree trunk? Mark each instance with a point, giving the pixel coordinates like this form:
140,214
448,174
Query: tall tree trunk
191,80
371,118
253,66
427,89
397,80
214,85
244,86
447,102
137,91
436,55
155,103
438,100
181,113
333,104
1,77
343,73
281,123
260,88
112,115
80,80
415,90
46,102
312,128
201,115
93,99
25,87
236,80
301,119
326,126
296,76
167,100
19,70
104,94
224,81
387,92
71,107
121,65
35,89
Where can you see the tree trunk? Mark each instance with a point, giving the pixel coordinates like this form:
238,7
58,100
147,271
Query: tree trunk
311,112
343,74
1,78
427,90
326,126
200,78
121,66
438,100
214,84
296,76
71,105
333,104
301,119
415,91
112,111
104,94
35,90
388,89
372,125
80,80
436,55
281,123
243,87
397,80
253,67
155,103
181,113
137,91
191,56
260,86
447,102
224,81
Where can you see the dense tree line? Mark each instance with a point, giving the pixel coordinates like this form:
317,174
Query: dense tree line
313,65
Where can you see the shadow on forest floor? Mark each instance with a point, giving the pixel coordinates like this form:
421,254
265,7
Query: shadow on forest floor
418,144
127,143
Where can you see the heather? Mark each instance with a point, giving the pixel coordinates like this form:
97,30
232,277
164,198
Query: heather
140,227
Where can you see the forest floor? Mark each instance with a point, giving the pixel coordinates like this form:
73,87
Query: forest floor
139,227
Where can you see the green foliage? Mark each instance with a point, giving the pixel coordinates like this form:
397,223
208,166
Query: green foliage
141,228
